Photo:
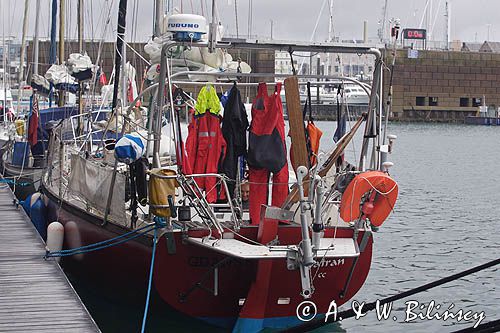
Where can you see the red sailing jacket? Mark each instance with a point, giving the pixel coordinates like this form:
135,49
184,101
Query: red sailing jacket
206,148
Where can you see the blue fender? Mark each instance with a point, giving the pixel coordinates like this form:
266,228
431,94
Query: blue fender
26,205
39,217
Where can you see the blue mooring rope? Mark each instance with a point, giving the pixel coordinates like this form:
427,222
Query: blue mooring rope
155,236
159,223
103,244
12,182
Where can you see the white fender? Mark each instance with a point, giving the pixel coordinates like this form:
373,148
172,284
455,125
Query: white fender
34,198
55,237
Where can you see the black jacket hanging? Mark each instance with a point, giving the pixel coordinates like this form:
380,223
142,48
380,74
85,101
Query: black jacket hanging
234,127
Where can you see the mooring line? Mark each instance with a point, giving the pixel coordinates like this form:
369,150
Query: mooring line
371,306
103,244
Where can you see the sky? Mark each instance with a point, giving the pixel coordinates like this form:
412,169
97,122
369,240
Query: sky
290,19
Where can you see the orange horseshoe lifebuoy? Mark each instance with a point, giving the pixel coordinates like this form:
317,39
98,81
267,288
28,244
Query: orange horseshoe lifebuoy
380,203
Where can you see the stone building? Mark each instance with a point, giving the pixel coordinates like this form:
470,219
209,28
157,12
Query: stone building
444,85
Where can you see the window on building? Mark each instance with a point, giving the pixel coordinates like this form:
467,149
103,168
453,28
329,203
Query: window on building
420,101
433,101
464,101
356,69
477,101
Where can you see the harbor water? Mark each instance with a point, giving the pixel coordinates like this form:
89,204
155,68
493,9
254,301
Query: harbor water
445,221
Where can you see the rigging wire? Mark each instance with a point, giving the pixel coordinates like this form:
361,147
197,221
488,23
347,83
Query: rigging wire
89,17
314,30
348,114
14,14
67,27
236,18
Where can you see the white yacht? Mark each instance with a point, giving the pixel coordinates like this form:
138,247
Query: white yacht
5,128
6,99
354,94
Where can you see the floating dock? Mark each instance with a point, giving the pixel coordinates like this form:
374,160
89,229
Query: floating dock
35,295
488,121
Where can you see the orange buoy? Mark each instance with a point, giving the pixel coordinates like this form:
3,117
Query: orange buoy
379,191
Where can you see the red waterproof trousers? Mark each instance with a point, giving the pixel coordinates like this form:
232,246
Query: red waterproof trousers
267,151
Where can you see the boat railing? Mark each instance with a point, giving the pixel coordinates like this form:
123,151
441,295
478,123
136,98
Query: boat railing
82,126
329,80
198,198
66,141
371,139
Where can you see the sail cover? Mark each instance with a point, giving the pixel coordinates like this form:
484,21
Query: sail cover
91,182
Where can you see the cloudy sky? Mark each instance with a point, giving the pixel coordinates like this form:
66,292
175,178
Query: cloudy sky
291,19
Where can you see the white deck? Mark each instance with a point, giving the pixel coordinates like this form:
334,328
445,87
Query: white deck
330,248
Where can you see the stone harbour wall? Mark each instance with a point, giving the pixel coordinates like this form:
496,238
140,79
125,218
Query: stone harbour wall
443,86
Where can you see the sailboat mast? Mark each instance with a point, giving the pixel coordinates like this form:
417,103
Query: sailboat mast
53,50
35,38
61,44
330,22
80,50
53,28
381,29
448,24
21,60
23,41
330,37
120,46
158,17
5,52
80,26
61,31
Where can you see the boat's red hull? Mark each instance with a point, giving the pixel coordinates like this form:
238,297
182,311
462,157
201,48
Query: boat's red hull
191,265
185,278
121,270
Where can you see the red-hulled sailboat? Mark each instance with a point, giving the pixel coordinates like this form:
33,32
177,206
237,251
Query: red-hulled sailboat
212,261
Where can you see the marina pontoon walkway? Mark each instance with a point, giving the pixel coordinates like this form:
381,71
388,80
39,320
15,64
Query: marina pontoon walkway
35,295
